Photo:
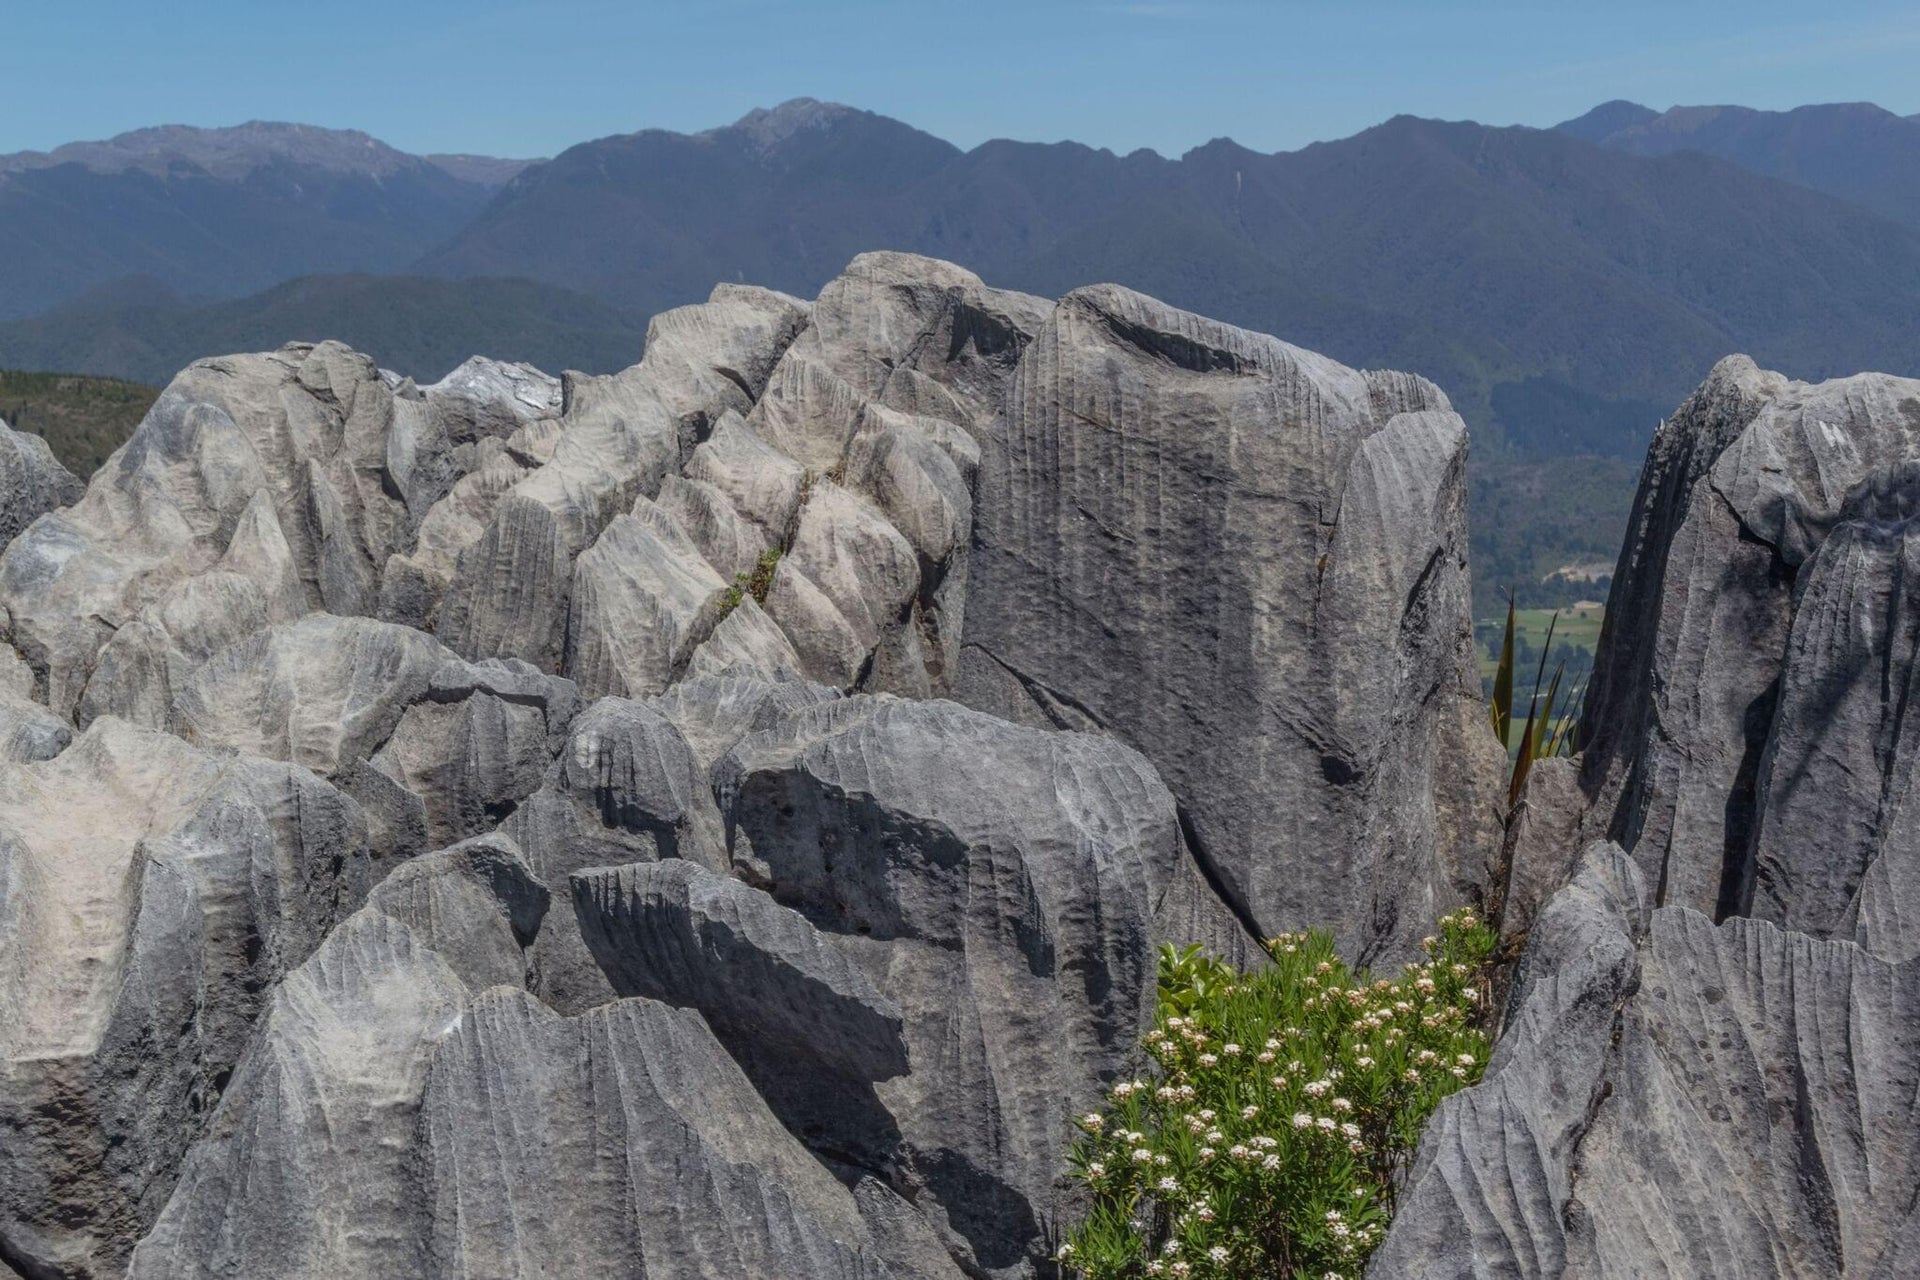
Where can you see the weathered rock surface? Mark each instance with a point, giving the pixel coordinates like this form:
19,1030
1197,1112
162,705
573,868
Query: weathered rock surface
1677,1099
150,895
687,948
32,482
393,1119
301,471
1249,562
28,732
625,787
1746,738
620,437
997,884
772,987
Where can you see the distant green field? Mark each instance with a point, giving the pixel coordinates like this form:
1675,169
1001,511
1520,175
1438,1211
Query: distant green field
1576,639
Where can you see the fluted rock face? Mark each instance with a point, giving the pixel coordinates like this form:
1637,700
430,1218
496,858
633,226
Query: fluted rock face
395,1118
150,895
32,481
774,989
691,944
1249,562
1014,935
1676,1099
297,473
1747,737
619,438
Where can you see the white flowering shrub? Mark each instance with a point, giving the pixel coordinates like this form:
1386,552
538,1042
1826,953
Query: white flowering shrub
1283,1112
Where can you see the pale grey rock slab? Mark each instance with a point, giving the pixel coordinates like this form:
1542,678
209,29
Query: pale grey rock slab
150,895
761,484
1249,562
301,469
745,640
643,600
715,358
843,586
32,482
777,992
28,731
486,398
478,743
144,667
713,711
300,1172
476,904
625,787
389,1120
619,438
16,677
415,581
999,885
1760,1115
324,692
730,542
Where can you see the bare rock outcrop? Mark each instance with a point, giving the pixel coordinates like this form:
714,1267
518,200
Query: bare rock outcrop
1674,1098
1249,562
998,885
397,1117
32,482
151,894
520,832
1746,736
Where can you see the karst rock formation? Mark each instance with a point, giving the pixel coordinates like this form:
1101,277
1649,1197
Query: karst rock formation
717,819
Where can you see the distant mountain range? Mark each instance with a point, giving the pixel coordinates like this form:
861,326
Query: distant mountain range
215,213
1566,286
1854,150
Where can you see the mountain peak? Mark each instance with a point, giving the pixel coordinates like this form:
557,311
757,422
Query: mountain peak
1606,120
230,152
768,127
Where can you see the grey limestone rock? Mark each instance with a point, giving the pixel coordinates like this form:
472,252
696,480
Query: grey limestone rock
1673,1098
619,438
643,600
28,731
150,895
391,1119
301,470
625,787
478,743
686,947
1748,688
999,885
775,991
1497,1165
32,482
1249,562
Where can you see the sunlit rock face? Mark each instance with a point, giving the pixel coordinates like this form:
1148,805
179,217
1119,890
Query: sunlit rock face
715,819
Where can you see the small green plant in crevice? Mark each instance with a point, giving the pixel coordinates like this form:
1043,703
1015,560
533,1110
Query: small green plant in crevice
755,583
1542,733
1282,1112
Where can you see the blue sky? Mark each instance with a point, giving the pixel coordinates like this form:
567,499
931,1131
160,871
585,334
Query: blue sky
512,77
